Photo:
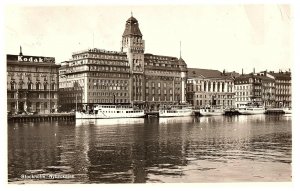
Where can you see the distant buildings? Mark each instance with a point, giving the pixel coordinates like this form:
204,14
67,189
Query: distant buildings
32,84
283,88
210,87
255,88
97,76
131,76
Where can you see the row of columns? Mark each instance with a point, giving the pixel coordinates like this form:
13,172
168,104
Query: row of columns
216,87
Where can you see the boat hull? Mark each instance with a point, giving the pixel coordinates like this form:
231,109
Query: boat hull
287,110
251,112
211,113
165,113
102,115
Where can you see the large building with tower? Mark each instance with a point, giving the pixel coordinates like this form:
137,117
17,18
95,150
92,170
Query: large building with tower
32,84
131,76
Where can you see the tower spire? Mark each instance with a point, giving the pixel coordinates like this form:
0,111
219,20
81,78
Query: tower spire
180,50
21,54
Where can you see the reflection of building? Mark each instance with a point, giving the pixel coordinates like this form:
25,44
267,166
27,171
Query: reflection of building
255,88
32,83
210,87
129,76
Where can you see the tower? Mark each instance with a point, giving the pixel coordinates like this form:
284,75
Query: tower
134,46
183,75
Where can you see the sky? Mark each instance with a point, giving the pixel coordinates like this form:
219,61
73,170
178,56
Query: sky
232,37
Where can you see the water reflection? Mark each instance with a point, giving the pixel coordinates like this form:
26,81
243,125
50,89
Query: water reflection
187,149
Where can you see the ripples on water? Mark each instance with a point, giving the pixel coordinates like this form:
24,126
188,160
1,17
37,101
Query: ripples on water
187,149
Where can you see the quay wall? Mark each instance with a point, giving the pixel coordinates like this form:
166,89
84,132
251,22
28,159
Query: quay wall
42,117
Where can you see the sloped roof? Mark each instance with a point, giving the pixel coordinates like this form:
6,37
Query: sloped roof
282,75
206,73
132,28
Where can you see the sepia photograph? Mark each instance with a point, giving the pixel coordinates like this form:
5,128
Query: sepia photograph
148,93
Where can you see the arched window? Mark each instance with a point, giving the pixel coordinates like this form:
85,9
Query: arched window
12,86
45,86
37,86
29,86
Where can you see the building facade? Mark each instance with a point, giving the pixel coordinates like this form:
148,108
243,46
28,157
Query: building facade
256,88
131,76
32,84
210,88
283,89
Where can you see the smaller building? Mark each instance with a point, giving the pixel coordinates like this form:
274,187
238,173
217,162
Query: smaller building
283,88
210,87
32,84
256,88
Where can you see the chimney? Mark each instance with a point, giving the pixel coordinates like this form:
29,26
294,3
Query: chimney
253,70
242,71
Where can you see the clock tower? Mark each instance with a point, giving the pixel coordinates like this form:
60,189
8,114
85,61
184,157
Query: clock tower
134,46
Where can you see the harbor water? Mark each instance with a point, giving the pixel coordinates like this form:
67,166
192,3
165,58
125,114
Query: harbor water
255,148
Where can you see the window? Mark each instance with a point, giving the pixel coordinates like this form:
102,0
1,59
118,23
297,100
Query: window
37,86
45,105
29,86
45,86
12,86
12,105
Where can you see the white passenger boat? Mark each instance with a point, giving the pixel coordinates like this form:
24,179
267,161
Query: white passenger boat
176,111
287,110
211,111
110,111
251,110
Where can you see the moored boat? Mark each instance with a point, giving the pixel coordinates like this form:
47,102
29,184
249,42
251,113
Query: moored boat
176,111
211,111
110,111
287,110
251,110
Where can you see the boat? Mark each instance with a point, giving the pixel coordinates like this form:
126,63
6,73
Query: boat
175,111
251,109
287,110
110,111
211,111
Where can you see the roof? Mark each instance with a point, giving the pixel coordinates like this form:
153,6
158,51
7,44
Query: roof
206,73
281,75
247,76
132,28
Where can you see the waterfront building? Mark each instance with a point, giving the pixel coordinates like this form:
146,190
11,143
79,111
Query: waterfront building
283,88
32,84
210,87
97,76
256,88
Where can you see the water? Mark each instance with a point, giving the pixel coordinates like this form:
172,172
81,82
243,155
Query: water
188,149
